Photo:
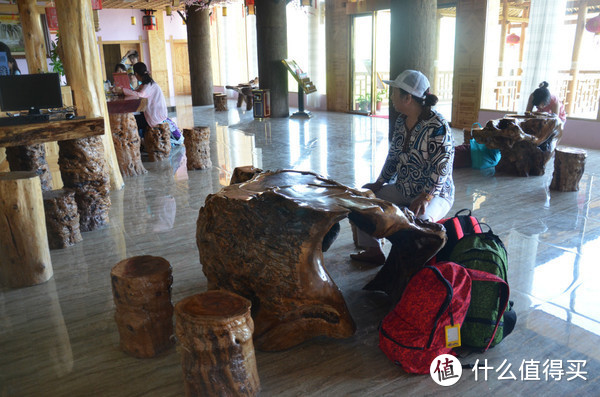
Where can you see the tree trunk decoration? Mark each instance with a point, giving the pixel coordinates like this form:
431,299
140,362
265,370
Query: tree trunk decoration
220,101
24,254
127,144
197,148
62,218
526,143
264,239
158,142
141,288
569,164
198,33
30,158
215,329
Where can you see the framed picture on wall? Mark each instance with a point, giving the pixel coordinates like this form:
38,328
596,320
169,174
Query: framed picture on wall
11,33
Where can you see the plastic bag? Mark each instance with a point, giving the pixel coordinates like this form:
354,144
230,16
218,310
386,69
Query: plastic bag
481,156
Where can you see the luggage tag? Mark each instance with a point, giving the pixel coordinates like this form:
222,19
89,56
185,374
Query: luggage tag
452,335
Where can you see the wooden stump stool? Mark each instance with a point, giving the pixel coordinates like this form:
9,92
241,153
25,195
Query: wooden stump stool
220,101
215,329
62,219
158,142
569,164
127,140
197,148
24,254
141,288
30,158
84,170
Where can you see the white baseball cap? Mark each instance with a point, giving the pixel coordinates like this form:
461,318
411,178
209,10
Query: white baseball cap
411,81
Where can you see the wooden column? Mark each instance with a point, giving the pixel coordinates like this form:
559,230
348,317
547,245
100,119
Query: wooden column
24,253
271,43
504,25
33,36
83,70
337,34
158,53
198,33
574,72
412,44
468,61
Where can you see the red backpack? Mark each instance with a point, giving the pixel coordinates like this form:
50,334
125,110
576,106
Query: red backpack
413,333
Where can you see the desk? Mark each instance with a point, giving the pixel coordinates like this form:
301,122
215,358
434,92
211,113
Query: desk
125,133
81,161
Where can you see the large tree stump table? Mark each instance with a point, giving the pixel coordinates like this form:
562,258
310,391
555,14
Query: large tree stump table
215,329
158,142
526,142
569,164
127,143
62,218
197,148
141,288
264,239
24,253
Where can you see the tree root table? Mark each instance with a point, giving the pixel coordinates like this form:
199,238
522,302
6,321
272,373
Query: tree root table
526,142
264,239
81,161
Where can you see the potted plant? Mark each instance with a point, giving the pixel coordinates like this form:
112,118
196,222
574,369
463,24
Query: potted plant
381,94
364,102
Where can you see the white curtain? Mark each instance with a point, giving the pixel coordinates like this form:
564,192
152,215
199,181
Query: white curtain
541,46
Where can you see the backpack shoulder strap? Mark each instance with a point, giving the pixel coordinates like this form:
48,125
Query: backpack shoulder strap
478,275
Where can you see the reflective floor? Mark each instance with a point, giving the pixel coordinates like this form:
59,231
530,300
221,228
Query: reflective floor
60,338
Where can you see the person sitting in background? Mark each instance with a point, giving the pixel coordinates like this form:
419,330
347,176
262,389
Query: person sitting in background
120,68
13,67
546,102
156,108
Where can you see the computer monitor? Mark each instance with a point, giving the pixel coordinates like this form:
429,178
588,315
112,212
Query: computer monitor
30,92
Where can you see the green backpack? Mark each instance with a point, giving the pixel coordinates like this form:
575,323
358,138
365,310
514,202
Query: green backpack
485,252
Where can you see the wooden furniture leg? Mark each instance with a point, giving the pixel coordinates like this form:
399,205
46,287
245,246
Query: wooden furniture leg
24,254
30,158
158,142
141,288
197,148
127,144
569,164
215,329
62,218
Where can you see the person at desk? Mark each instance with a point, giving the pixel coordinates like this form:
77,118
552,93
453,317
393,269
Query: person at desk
420,159
156,107
546,102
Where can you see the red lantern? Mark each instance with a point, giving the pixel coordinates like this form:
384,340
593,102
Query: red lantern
249,2
513,39
593,25
96,4
149,20
51,19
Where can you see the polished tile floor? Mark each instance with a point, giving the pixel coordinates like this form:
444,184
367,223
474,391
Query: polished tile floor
60,339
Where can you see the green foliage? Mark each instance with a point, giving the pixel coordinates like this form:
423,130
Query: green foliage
55,61
381,94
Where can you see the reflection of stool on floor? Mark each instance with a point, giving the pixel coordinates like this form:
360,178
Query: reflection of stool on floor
220,101
24,254
217,355
569,164
158,142
62,219
197,148
126,139
144,313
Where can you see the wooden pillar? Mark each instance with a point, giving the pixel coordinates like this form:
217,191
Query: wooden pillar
504,25
271,43
337,34
83,70
198,33
33,36
468,61
158,54
574,72
412,44
24,253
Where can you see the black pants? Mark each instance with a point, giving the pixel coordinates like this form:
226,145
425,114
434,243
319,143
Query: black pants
142,124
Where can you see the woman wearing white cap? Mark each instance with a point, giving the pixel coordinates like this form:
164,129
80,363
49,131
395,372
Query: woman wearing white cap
420,158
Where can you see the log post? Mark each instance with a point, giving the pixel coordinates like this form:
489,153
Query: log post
199,49
83,169
127,144
24,254
569,164
83,70
158,142
62,218
220,101
30,158
215,329
197,148
141,288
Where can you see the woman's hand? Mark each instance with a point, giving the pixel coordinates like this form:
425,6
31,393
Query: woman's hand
117,90
374,187
419,204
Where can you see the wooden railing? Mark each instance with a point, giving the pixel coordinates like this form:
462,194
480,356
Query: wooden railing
443,87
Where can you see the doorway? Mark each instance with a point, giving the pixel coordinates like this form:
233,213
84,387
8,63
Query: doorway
370,63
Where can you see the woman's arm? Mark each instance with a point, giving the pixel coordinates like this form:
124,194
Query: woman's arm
389,169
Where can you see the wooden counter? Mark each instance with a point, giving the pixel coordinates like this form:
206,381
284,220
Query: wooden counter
128,104
60,130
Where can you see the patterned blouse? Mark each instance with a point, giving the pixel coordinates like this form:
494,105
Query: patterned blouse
425,165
